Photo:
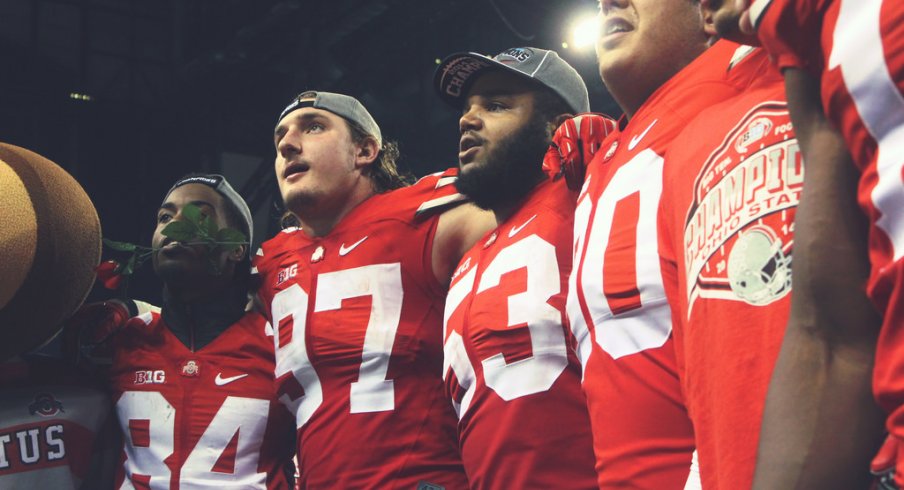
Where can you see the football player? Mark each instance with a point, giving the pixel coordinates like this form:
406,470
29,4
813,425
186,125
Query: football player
510,369
842,66
355,295
654,60
734,177
193,384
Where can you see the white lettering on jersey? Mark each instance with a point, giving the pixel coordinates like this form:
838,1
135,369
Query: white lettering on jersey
292,357
29,451
4,440
538,372
372,392
53,436
148,412
626,299
137,410
455,357
858,50
383,282
150,377
35,444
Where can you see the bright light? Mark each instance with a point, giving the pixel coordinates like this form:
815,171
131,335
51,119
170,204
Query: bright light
583,31
78,96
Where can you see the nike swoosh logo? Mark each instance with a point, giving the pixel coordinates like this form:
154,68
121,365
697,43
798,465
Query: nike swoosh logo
516,229
220,380
344,250
637,137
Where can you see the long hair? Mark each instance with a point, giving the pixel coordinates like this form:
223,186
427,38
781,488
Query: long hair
384,172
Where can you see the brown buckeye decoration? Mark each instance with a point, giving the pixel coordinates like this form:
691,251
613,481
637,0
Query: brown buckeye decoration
50,243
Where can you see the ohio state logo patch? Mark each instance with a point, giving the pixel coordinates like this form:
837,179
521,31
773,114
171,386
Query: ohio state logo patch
739,231
191,369
45,405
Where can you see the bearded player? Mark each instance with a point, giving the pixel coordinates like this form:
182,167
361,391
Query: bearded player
193,385
654,60
510,370
841,62
355,295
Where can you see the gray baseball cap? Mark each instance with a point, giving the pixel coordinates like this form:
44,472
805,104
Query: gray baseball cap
456,74
341,105
218,183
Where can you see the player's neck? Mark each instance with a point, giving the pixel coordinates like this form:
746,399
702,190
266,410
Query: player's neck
320,220
189,292
504,210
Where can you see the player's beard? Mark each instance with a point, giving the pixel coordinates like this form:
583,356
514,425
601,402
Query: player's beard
510,171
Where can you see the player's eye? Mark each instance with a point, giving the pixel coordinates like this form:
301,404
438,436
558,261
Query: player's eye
496,106
164,218
315,127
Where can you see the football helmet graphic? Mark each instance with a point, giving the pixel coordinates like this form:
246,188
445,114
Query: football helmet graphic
759,272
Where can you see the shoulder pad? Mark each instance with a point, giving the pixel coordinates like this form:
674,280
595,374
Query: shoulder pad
443,194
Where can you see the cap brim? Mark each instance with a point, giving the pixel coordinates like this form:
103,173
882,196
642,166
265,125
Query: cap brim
455,75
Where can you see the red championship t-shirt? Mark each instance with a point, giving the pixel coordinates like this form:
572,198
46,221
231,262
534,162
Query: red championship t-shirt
726,231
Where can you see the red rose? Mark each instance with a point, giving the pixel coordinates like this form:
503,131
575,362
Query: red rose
108,274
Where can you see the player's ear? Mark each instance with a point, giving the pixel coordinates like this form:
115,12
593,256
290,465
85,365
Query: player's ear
367,151
709,26
237,254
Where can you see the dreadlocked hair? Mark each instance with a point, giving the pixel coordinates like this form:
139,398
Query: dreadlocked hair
384,172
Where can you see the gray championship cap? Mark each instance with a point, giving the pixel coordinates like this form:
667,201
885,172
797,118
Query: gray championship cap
341,105
218,183
457,73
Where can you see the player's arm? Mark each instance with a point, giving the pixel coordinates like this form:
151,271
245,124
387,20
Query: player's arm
458,230
86,332
821,426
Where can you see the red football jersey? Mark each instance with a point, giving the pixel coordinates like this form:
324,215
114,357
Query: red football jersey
856,48
726,231
55,428
510,369
200,419
358,320
616,299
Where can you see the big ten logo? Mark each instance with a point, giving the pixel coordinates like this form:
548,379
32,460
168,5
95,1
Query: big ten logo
462,268
30,446
286,274
150,377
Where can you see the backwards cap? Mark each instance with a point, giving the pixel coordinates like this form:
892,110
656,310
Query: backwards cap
457,73
341,105
218,183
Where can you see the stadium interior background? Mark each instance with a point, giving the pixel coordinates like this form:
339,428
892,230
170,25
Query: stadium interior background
128,95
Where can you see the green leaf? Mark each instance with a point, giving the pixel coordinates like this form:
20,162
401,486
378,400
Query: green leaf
208,228
192,213
181,231
129,267
120,246
230,238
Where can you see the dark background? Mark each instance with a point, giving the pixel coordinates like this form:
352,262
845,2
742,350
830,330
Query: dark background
196,85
